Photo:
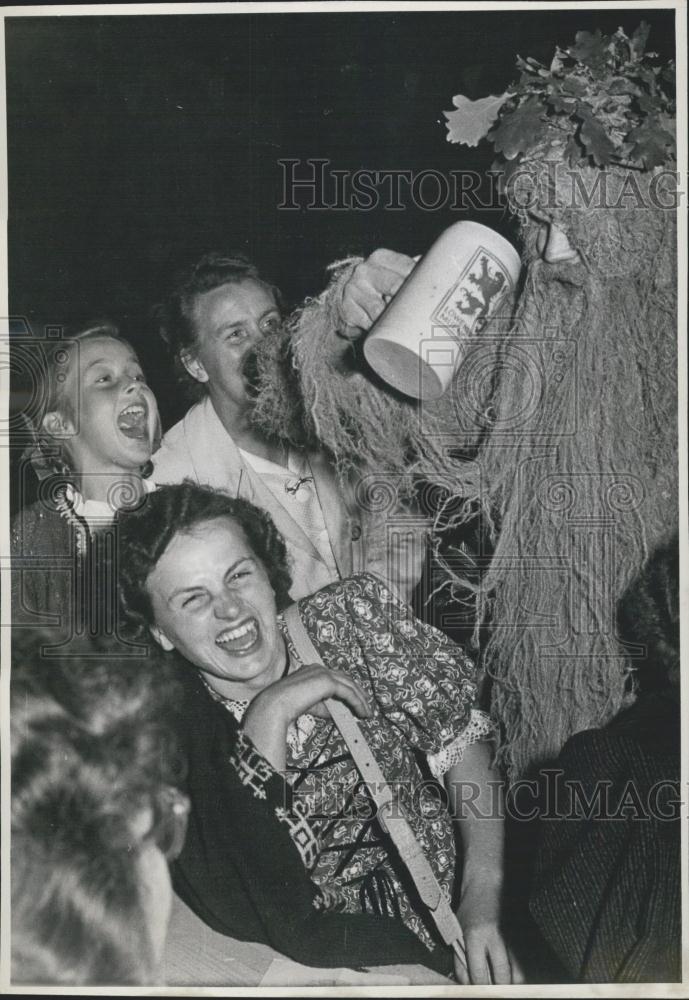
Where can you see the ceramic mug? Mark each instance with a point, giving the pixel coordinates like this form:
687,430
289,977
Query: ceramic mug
467,278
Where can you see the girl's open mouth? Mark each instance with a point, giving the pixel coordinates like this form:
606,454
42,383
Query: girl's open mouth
133,421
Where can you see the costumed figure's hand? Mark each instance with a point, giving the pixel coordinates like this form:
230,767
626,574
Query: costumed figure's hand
488,959
372,284
270,713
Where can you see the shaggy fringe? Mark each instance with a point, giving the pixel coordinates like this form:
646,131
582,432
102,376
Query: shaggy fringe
573,510
316,392
579,513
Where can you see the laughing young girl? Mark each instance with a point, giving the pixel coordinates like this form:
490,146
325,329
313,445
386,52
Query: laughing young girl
93,447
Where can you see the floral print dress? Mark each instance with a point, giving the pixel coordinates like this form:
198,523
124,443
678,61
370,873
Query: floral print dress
422,689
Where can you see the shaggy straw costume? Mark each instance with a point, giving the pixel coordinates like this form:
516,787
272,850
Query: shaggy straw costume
315,391
580,461
586,489
576,473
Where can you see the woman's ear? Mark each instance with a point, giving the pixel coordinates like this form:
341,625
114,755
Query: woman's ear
57,425
161,638
193,366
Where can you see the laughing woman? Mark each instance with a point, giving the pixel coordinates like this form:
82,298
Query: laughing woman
94,441
283,845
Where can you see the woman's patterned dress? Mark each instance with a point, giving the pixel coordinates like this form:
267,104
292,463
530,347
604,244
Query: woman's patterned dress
422,688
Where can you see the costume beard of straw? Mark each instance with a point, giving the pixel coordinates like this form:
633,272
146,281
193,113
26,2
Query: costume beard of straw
582,481
577,485
315,391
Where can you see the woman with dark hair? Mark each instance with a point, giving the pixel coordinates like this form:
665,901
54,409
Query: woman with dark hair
94,438
607,888
94,818
284,846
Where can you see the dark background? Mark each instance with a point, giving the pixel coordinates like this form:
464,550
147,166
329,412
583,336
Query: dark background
136,142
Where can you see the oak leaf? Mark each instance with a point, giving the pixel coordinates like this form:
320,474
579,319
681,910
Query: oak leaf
619,86
572,152
557,63
561,103
668,74
574,86
639,39
519,130
472,120
596,142
650,144
588,49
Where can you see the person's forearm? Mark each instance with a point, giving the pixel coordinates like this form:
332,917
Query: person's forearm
268,736
476,791
476,800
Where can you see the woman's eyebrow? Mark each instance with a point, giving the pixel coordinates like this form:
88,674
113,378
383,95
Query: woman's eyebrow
97,361
243,559
195,588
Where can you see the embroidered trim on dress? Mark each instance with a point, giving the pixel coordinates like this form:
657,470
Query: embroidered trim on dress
254,772
480,726
252,769
300,832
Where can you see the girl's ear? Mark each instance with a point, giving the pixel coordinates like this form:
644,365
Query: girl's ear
57,425
161,638
193,366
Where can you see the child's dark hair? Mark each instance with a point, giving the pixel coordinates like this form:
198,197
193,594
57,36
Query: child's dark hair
51,455
175,315
144,534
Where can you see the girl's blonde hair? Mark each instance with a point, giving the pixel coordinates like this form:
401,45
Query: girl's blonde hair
50,455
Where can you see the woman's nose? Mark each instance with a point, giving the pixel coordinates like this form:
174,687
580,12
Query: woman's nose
554,246
227,605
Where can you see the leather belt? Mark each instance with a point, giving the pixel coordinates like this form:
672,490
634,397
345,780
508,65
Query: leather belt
389,814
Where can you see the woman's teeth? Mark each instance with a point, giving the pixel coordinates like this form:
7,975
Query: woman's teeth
132,421
240,638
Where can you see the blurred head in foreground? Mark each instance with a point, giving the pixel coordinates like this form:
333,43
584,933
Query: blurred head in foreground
95,817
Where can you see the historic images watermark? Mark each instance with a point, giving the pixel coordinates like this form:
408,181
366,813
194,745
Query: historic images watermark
314,184
554,797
